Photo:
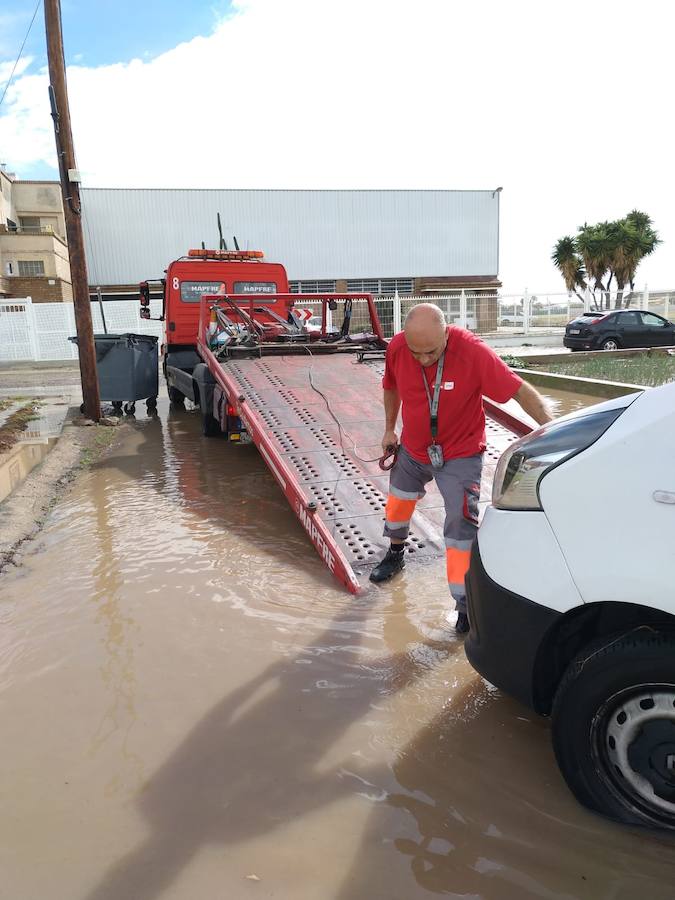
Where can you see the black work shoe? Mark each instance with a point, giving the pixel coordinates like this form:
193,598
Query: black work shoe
462,624
388,567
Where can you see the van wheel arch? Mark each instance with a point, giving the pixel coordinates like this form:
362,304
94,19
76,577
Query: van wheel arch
579,628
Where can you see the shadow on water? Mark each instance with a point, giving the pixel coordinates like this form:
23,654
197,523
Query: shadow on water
480,810
234,778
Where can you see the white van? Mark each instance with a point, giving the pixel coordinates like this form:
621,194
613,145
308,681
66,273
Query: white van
571,597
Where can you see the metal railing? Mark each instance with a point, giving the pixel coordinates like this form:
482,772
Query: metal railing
40,331
29,229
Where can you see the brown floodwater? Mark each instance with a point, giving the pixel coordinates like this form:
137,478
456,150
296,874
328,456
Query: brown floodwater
192,708
19,461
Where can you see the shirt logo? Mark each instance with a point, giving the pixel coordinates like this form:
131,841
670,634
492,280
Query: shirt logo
448,385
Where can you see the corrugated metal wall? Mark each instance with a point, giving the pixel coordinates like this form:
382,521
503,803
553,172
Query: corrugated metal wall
133,234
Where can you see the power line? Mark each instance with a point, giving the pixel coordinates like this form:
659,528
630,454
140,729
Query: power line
37,6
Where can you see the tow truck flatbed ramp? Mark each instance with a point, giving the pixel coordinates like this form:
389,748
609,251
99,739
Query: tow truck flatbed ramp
318,422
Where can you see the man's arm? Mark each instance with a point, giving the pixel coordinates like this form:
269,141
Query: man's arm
392,405
533,403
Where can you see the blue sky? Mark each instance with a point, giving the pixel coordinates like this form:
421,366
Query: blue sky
106,31
103,32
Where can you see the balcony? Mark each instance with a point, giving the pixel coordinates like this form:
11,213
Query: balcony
30,229
32,240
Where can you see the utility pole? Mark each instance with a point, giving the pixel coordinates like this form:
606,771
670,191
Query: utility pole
70,188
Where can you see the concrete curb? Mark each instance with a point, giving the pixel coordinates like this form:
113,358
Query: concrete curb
606,389
542,359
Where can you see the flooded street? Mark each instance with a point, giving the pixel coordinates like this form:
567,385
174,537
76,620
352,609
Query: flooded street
192,707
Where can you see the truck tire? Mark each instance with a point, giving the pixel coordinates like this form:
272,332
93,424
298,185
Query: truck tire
176,397
210,426
614,728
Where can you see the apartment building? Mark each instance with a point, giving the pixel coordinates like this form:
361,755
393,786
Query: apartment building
33,249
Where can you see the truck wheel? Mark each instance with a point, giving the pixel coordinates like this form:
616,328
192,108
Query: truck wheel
210,426
614,728
176,397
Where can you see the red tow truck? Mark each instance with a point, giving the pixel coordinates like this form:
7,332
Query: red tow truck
237,345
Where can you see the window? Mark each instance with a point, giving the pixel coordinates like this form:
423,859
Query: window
191,291
30,223
312,287
627,319
11,225
385,286
255,287
31,267
652,320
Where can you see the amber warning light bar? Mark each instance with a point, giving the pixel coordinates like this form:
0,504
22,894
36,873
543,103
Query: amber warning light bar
226,254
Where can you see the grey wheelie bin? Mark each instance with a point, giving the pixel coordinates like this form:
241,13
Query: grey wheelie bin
127,367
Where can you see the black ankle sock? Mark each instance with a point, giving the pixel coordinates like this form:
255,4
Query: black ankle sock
397,548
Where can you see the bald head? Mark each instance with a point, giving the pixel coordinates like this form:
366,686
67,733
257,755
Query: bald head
425,333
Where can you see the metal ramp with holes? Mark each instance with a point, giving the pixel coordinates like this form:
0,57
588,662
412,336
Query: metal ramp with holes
318,423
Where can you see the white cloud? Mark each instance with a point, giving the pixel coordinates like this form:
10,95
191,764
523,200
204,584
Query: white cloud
551,102
6,70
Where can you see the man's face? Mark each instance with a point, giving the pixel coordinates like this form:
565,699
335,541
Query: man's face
427,346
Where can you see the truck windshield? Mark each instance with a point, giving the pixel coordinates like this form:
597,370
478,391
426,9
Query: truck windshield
256,287
192,291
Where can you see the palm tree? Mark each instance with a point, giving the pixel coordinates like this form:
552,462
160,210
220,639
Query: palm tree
595,248
606,251
647,241
566,259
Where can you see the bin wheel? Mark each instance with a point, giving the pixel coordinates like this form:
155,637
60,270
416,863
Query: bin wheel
117,405
82,408
130,408
151,403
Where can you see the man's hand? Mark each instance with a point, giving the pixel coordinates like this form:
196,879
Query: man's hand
390,439
533,403
392,404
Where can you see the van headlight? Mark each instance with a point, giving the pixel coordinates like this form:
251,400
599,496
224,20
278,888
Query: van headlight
521,467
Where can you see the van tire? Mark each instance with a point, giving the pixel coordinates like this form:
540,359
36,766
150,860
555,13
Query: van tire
613,748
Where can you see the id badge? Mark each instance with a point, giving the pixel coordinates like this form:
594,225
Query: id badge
435,452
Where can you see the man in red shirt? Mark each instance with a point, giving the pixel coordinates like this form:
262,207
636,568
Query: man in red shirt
439,374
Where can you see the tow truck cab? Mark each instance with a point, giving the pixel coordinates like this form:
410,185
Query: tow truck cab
237,274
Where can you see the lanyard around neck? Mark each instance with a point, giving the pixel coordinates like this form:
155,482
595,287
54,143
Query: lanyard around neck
433,404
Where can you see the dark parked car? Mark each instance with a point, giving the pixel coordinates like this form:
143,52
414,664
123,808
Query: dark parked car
618,329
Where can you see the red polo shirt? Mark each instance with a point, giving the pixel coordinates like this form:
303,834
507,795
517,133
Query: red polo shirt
471,369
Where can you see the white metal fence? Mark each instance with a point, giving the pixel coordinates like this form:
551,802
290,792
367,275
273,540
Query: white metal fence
40,331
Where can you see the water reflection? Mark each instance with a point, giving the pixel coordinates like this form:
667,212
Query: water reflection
260,759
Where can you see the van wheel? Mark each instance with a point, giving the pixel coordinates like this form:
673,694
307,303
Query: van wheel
210,426
610,344
176,397
614,728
